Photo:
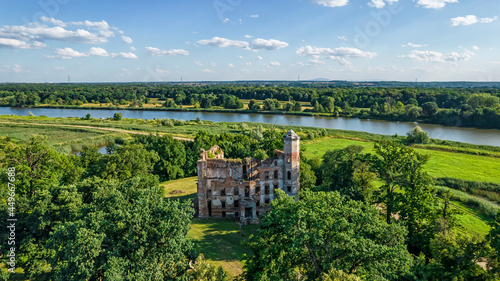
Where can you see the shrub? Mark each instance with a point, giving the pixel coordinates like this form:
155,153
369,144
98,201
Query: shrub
417,135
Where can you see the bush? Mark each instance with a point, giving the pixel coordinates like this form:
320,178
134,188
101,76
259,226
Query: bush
417,135
117,116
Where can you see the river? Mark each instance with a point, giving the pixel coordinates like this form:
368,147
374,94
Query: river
467,135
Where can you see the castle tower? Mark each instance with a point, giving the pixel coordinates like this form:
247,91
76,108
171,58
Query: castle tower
291,174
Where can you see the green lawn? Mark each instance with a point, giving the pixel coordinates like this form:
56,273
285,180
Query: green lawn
221,243
441,164
64,139
181,188
470,222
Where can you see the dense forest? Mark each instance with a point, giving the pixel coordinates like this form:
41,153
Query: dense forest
103,217
462,107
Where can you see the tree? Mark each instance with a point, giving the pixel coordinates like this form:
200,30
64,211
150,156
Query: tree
307,176
494,239
127,231
252,105
323,231
204,271
297,106
117,116
456,257
401,168
127,161
347,170
430,109
417,135
171,152
37,165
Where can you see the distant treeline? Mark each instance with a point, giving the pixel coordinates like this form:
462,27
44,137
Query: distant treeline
463,107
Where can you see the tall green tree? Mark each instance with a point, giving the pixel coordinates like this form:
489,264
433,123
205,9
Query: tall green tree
401,168
347,170
323,231
126,232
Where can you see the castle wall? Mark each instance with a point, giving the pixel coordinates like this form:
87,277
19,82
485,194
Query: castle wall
245,188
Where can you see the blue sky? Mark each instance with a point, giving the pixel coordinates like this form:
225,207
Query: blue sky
148,41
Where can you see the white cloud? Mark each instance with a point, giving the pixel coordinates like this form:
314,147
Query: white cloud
331,3
254,16
434,4
274,63
197,63
343,38
248,63
259,58
230,65
438,57
224,43
213,64
33,35
411,45
475,48
271,44
256,44
127,39
39,33
18,44
470,20
53,21
152,51
96,51
311,62
248,36
379,4
124,55
208,71
133,49
337,52
16,68
488,20
68,53
226,20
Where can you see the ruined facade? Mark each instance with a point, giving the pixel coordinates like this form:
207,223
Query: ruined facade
244,188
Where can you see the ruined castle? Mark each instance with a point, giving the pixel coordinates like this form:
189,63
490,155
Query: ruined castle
244,188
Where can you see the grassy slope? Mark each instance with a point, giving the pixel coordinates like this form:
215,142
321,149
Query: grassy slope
219,240
441,164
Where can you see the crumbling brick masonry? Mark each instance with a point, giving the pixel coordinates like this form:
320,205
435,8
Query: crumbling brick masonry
244,188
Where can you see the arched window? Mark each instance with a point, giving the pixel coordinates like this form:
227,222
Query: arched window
289,175
276,174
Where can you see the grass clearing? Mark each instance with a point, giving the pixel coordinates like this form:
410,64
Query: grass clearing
470,221
221,243
180,189
441,163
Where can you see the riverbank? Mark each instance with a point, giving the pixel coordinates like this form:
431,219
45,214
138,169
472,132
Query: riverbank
363,115
466,135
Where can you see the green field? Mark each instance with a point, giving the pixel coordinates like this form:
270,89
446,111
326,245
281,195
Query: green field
63,139
180,189
441,164
221,243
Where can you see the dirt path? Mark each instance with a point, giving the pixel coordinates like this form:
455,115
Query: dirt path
98,128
